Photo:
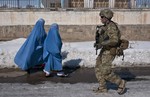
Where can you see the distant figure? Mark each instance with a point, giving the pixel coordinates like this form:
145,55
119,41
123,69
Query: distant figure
31,52
52,52
108,40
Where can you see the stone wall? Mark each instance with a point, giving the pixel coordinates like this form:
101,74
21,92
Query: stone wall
77,32
75,25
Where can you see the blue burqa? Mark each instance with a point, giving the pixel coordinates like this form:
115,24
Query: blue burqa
52,50
31,52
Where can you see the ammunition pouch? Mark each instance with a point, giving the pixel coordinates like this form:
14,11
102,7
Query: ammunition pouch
124,44
119,52
118,49
113,51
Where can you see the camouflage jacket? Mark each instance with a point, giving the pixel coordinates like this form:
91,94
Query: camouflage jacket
110,35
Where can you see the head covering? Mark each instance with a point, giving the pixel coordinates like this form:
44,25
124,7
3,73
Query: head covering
31,52
52,49
106,13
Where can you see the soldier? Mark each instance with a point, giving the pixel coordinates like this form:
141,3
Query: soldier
109,37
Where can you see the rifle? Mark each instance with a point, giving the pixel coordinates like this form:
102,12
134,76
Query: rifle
97,35
97,38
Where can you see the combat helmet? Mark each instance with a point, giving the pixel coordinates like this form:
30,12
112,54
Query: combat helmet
106,13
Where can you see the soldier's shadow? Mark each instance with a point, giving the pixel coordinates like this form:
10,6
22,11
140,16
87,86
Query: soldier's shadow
125,74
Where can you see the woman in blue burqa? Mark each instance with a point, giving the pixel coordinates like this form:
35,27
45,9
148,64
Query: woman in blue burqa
52,52
31,52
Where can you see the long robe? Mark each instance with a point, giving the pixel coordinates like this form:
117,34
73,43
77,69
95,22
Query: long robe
52,50
31,52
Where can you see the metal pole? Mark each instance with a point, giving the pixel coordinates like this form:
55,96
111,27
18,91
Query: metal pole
18,3
39,3
46,4
62,3
132,4
111,3
29,2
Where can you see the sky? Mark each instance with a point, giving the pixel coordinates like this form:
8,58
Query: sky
81,54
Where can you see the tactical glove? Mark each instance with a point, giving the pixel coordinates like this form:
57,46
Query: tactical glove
97,46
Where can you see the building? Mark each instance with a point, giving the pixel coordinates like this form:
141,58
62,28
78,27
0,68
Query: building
91,4
55,3
124,4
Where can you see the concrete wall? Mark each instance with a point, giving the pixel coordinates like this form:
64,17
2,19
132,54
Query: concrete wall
74,25
86,17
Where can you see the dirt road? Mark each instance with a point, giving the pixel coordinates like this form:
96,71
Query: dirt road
76,75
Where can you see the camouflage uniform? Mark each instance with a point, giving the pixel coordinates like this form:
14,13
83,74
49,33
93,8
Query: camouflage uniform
109,39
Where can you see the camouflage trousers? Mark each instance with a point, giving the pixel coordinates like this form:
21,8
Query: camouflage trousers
104,71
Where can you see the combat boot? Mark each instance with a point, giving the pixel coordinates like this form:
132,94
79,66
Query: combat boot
100,90
121,87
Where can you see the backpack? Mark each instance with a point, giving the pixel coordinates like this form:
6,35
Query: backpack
123,45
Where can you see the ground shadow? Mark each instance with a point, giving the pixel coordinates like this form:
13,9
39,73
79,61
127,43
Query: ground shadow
125,74
71,65
76,75
35,69
64,55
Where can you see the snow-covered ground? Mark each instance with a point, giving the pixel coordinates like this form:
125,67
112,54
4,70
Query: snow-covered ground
81,53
